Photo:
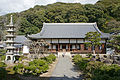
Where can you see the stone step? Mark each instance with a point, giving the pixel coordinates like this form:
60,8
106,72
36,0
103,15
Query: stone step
64,53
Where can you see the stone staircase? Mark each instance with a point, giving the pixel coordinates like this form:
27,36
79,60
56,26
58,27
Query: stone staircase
66,54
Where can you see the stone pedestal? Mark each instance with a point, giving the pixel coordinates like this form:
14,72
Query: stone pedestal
10,59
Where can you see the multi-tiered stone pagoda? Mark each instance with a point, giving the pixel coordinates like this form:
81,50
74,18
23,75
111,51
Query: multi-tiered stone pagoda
10,41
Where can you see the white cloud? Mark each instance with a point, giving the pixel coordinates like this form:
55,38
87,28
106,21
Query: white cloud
44,2
8,6
79,1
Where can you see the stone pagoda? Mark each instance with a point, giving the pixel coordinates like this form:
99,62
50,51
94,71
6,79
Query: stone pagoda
10,42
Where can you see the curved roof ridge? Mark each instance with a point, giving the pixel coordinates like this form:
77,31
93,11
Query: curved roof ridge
96,28
69,23
42,31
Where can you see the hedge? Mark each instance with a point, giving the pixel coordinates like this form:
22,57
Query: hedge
94,70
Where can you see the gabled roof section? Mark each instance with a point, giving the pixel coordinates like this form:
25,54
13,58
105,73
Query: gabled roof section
21,39
67,30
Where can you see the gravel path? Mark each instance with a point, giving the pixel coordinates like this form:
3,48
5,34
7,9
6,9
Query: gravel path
64,70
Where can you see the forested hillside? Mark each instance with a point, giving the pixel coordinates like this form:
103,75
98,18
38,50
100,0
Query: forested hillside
104,12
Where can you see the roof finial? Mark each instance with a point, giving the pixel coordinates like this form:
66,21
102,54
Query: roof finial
11,20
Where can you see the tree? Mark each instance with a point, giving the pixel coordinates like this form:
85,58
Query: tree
101,22
116,13
27,28
2,27
93,12
38,47
114,43
31,21
113,26
93,40
78,18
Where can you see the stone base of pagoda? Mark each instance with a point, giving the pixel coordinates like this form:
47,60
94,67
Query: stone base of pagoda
9,59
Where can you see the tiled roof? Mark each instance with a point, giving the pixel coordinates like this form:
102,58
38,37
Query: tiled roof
20,39
67,30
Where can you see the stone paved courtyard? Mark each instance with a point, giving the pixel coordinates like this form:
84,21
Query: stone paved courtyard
65,70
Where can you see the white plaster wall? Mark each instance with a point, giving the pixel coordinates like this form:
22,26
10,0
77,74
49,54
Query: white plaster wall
72,40
48,40
54,40
80,41
25,49
63,40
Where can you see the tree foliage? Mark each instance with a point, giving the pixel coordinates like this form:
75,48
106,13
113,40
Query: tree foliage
50,58
95,70
2,27
37,66
3,72
114,42
93,39
2,54
31,20
38,47
113,26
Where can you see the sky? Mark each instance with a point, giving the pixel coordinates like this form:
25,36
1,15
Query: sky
9,6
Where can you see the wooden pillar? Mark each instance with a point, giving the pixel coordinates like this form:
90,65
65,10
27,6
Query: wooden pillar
51,47
89,48
97,48
69,47
58,47
75,47
103,48
82,47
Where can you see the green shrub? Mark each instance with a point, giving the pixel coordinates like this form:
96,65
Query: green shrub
2,51
89,55
2,64
95,70
18,68
111,70
100,71
3,57
77,58
3,74
92,66
2,54
49,59
37,66
82,65
107,72
81,62
20,59
101,77
52,56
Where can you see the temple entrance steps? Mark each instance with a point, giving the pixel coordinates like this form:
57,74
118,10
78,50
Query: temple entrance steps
64,53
